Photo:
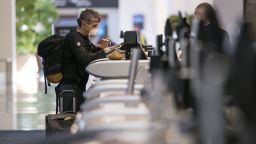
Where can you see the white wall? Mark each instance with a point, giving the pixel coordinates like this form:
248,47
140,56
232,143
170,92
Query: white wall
155,13
7,31
7,50
129,8
230,13
113,22
185,6
7,38
161,12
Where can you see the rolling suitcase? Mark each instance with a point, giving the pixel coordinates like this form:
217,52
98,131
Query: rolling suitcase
65,98
60,123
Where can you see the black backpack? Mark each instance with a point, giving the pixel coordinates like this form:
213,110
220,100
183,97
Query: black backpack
51,51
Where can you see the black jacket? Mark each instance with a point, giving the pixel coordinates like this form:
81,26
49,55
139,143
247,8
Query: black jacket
214,35
78,53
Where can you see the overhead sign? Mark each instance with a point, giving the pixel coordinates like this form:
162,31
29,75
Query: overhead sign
86,3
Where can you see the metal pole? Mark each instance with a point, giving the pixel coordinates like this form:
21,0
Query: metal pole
133,70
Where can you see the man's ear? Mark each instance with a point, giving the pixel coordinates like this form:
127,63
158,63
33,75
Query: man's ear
83,25
86,27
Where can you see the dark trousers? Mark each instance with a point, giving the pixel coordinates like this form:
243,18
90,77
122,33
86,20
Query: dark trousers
80,99
68,98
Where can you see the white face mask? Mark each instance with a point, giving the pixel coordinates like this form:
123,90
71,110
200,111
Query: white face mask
93,33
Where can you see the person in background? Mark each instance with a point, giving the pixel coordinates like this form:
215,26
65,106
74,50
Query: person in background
79,51
142,38
210,31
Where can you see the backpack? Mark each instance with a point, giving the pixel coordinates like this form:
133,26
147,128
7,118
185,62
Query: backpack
51,51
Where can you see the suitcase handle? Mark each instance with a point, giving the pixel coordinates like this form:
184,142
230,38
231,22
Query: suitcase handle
66,91
60,90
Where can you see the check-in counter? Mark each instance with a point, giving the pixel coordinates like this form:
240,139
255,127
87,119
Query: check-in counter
116,69
109,104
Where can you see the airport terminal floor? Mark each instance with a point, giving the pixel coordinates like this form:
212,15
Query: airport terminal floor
25,103
23,107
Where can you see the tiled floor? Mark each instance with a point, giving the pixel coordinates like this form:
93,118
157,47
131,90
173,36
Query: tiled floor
31,108
23,105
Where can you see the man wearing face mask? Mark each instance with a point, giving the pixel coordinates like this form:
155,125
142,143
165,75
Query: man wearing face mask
79,51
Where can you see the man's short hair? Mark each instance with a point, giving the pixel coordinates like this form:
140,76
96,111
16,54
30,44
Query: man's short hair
88,15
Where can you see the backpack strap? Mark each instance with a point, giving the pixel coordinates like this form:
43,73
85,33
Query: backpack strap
45,84
57,99
57,103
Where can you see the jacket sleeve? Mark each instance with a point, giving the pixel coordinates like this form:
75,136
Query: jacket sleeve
95,49
80,50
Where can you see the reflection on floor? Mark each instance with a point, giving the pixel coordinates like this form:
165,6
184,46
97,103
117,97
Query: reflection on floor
32,107
24,104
